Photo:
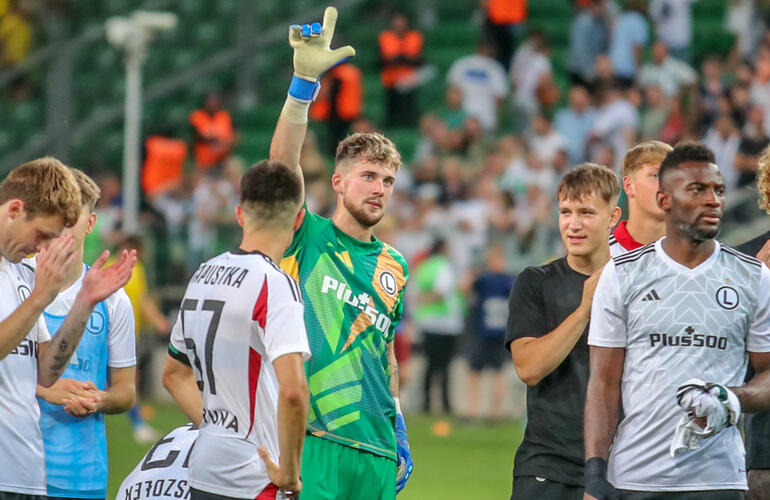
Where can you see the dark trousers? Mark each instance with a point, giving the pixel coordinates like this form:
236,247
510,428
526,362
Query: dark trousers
439,350
682,495
539,488
6,495
501,36
400,108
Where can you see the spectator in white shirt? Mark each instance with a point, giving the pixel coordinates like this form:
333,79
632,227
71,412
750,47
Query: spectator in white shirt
723,139
673,25
530,70
483,83
616,123
667,72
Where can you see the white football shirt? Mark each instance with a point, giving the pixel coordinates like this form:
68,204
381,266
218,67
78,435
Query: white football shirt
676,323
240,312
22,463
162,473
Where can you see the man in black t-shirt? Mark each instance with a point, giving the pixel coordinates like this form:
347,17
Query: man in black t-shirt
757,425
549,310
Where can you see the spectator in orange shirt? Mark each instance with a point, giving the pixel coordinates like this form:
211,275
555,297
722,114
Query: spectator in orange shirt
504,22
164,160
214,134
339,102
400,56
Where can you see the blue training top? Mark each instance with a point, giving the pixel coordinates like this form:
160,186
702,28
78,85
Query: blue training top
76,447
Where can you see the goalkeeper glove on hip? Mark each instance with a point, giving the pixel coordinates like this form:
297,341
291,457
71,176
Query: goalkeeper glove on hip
405,464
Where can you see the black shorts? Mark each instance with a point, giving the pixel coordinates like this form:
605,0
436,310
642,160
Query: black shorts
487,353
9,495
757,438
682,495
539,488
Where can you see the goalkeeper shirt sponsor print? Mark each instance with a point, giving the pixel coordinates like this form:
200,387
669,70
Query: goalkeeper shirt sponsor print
353,293
240,313
676,323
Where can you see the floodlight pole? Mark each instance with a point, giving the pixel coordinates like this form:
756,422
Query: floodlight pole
133,35
131,133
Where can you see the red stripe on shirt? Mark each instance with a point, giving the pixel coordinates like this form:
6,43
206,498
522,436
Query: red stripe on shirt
260,308
269,493
624,237
255,364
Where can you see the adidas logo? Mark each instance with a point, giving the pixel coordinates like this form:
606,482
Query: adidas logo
652,295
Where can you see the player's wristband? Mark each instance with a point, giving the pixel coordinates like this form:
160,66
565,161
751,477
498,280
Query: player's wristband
304,90
596,468
295,111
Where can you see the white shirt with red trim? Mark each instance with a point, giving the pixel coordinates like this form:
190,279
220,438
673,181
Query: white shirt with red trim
621,240
240,313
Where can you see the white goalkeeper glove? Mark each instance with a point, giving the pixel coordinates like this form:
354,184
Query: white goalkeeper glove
312,55
715,403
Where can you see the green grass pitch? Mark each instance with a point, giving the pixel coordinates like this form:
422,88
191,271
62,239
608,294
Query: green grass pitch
471,461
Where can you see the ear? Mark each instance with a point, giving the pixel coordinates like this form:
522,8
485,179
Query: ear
615,217
239,215
664,200
337,179
91,222
16,208
300,219
628,186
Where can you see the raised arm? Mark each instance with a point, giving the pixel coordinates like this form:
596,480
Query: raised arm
98,284
312,58
537,357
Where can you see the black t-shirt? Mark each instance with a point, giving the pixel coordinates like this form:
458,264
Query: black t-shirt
758,424
541,299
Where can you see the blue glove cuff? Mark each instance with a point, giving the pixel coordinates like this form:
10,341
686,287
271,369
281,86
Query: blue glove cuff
400,422
303,90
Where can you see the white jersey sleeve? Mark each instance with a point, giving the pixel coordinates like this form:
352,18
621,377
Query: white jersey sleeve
608,318
176,339
285,326
122,335
758,338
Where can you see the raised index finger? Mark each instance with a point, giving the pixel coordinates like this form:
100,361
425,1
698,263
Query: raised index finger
330,21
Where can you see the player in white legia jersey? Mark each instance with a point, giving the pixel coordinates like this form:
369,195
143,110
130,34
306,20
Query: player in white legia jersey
240,341
162,473
682,307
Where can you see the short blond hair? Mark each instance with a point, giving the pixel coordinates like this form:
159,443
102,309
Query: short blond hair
587,179
372,147
89,191
763,179
46,186
643,153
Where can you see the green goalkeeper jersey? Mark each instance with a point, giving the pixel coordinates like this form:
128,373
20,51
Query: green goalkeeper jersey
353,293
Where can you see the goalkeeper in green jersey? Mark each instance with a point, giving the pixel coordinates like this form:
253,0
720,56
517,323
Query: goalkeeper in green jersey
353,289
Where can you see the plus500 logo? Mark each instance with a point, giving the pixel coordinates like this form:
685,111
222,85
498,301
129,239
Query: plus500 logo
361,301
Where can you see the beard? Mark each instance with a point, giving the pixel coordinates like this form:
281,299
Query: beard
360,214
697,234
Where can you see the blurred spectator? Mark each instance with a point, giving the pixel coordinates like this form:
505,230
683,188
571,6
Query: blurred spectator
438,316
483,84
654,114
616,123
488,317
163,167
712,88
503,23
724,138
627,42
673,25
544,141
531,76
339,102
400,56
214,134
754,128
575,122
668,73
454,115
589,38
213,199
743,22
759,93
749,151
15,34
